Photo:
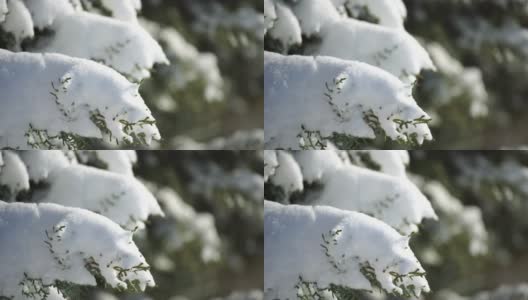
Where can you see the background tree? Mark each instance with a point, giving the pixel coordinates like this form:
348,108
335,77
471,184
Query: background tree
211,99
481,200
476,98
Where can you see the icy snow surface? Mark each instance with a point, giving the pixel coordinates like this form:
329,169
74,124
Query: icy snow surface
46,96
328,245
330,95
47,242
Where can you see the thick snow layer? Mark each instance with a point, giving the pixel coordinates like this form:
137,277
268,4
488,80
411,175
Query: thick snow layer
44,12
393,50
3,10
46,242
121,198
391,162
125,10
118,161
40,164
385,45
396,201
331,246
270,163
315,163
18,21
389,13
270,15
13,174
287,28
124,46
49,100
183,224
314,14
287,173
329,95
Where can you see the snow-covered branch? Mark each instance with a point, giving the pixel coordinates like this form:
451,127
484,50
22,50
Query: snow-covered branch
55,101
46,246
312,250
312,98
353,84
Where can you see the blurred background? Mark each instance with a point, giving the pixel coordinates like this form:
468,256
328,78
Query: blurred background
478,249
210,243
477,99
211,96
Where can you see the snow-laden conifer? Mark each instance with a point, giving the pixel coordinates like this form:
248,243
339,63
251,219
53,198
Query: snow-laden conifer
353,84
76,83
345,224
47,246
